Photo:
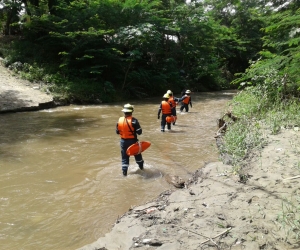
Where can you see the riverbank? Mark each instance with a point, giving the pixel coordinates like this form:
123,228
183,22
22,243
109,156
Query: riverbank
19,95
221,210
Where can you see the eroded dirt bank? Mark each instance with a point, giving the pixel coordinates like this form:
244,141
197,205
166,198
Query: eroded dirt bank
20,95
217,210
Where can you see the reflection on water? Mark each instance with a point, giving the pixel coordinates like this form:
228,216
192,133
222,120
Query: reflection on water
60,169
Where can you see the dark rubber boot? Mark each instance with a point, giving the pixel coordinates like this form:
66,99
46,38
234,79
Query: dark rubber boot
125,172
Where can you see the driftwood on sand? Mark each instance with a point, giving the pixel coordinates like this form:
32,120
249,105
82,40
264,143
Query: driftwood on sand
211,239
222,124
291,178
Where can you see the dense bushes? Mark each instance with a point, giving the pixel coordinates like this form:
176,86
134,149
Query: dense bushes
129,49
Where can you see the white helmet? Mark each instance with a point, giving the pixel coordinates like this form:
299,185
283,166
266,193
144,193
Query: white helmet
187,91
169,92
128,108
166,96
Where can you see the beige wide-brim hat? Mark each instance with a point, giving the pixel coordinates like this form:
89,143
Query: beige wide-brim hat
128,108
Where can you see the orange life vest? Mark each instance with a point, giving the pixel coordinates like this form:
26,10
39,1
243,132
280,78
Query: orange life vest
166,108
126,129
171,100
186,100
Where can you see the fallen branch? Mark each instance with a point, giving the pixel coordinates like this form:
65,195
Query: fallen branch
140,210
222,124
223,128
210,239
192,232
290,178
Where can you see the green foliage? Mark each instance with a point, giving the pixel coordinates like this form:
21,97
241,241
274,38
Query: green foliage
6,46
244,135
257,109
139,46
269,85
240,39
195,45
33,73
9,13
282,38
266,105
277,70
78,91
241,138
289,218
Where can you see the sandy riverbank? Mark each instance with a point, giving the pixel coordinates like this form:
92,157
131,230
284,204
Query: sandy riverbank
217,210
20,95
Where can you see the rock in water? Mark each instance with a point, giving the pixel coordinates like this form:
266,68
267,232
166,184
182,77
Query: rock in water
175,180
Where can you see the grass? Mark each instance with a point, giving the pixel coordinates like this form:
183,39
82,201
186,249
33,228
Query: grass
258,117
289,218
255,117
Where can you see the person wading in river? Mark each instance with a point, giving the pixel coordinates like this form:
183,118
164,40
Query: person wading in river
173,100
186,100
128,128
166,109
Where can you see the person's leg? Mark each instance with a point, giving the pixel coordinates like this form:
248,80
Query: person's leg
182,107
125,157
175,116
163,123
168,126
139,160
187,108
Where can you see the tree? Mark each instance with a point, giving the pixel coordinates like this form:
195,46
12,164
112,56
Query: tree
244,23
10,15
280,55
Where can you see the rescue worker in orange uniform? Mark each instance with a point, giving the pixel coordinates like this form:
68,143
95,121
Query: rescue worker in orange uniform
186,100
173,100
128,128
166,109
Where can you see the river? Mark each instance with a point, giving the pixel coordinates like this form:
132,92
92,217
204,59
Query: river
60,169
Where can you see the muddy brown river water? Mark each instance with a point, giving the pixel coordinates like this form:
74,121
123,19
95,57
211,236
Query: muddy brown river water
60,169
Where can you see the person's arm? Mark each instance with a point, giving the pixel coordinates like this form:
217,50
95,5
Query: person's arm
137,127
191,102
182,98
173,110
159,111
117,130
